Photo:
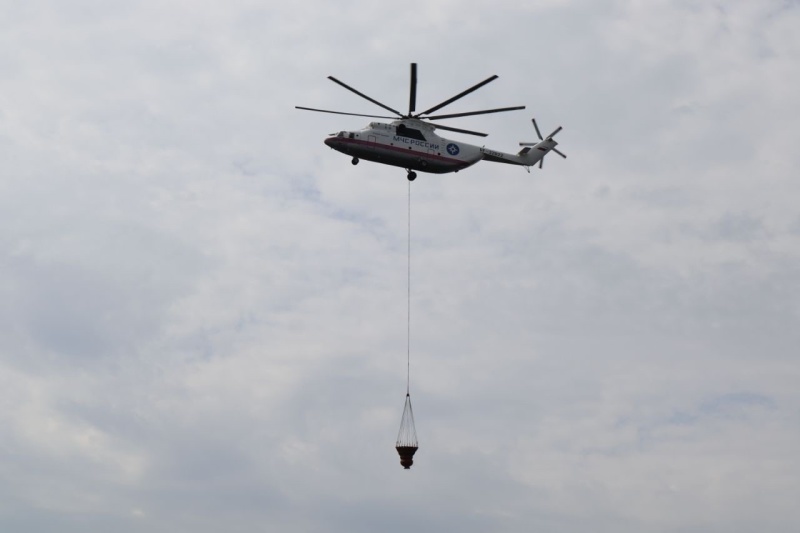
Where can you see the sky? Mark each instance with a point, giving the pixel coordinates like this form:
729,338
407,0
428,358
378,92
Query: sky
203,308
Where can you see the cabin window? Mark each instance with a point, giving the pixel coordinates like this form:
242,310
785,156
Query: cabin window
352,135
411,133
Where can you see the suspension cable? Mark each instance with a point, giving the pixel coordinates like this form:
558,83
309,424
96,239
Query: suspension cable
408,353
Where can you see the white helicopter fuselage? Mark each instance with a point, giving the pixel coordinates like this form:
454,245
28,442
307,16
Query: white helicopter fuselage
410,144
414,145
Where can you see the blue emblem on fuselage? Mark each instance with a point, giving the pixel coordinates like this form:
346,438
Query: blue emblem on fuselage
452,149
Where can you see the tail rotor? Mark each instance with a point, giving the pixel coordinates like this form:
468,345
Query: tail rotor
549,140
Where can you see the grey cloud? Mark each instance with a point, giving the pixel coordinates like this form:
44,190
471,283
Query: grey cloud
737,227
203,308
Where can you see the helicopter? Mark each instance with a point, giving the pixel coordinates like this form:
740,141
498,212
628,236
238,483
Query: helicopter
412,143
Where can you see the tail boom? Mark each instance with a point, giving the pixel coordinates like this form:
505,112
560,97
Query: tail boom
532,153
527,157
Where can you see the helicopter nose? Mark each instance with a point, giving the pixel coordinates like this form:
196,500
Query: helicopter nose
330,141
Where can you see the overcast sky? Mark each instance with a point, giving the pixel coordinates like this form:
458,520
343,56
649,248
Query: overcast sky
203,308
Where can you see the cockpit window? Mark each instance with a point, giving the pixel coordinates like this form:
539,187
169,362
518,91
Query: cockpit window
341,134
352,136
411,133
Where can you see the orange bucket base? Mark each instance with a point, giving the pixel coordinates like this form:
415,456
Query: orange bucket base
406,455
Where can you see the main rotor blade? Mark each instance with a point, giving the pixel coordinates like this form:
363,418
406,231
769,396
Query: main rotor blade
340,112
470,113
412,98
468,132
459,95
362,95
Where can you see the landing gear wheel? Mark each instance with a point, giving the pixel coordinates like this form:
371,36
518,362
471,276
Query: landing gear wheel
412,175
354,161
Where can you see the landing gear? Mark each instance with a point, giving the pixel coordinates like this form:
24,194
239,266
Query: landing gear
354,161
412,175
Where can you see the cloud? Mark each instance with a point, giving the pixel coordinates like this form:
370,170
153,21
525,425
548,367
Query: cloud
202,308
